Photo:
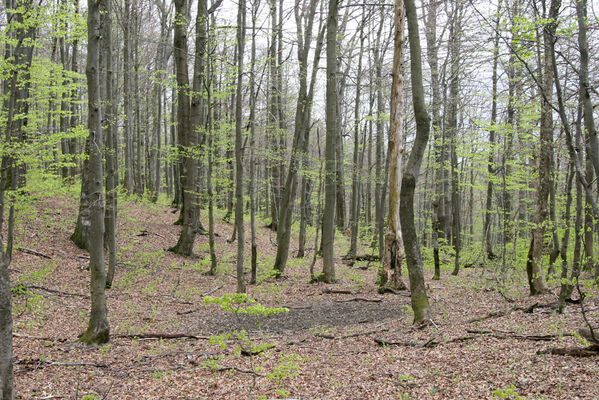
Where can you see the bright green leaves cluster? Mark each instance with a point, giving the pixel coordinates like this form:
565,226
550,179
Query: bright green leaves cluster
239,303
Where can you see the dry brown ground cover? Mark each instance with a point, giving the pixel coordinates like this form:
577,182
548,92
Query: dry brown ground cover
325,347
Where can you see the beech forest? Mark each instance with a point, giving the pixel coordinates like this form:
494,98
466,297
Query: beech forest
299,199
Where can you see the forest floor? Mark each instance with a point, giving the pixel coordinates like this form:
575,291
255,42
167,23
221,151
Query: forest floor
327,346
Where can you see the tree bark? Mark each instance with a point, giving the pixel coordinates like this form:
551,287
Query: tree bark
110,146
390,274
186,134
534,268
328,223
98,330
238,148
419,299
302,127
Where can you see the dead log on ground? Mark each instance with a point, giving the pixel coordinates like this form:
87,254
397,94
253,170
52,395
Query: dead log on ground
589,351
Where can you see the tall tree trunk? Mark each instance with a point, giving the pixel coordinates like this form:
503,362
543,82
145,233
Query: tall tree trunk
592,143
128,184
535,256
19,57
420,303
328,223
186,134
302,121
390,274
110,145
492,131
272,121
238,148
355,199
379,213
97,329
252,185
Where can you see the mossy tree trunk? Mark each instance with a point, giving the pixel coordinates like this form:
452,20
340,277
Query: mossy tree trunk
420,303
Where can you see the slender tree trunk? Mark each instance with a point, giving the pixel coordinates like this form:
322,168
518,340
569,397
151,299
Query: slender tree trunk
355,199
238,148
328,223
420,303
302,121
379,213
390,274
110,146
438,202
252,185
128,117
492,131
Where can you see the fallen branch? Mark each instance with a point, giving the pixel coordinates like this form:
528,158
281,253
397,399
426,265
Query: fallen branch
297,307
496,314
33,252
147,233
33,364
589,351
338,291
351,335
20,335
161,336
386,289
60,292
386,342
511,335
243,371
359,299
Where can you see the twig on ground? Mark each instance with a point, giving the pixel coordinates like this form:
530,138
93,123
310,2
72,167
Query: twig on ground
34,252
359,299
338,291
512,335
161,336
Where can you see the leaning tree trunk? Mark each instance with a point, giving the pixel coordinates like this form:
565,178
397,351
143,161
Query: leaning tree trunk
97,329
390,273
420,303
